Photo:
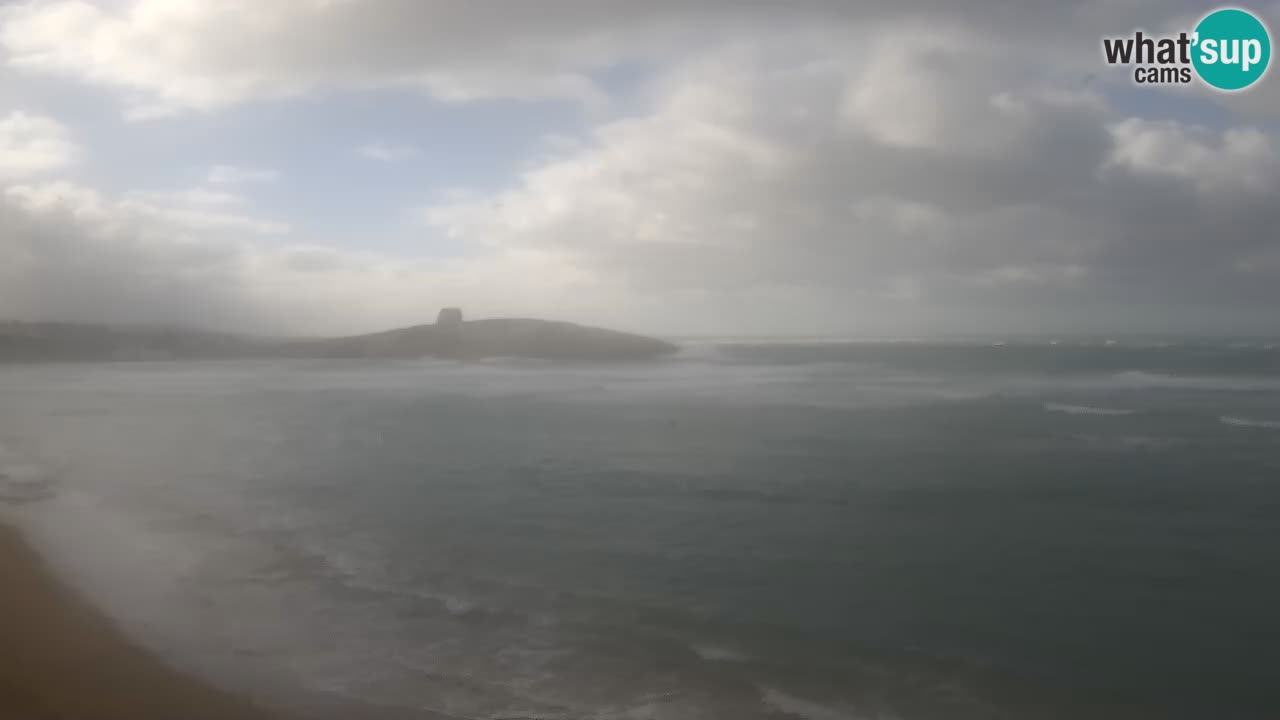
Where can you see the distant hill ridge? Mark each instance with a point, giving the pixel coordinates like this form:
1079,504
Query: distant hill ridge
449,337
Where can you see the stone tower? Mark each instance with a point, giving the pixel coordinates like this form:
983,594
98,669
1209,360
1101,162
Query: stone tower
450,317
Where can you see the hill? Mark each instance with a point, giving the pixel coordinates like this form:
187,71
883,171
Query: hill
450,338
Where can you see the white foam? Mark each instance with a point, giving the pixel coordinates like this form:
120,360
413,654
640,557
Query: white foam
22,480
1245,422
1141,380
716,653
1084,409
453,604
807,709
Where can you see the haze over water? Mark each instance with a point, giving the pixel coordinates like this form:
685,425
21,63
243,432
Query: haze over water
822,531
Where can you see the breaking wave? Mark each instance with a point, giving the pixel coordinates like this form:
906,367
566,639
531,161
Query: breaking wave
1084,409
716,653
1245,422
805,709
21,480
1139,379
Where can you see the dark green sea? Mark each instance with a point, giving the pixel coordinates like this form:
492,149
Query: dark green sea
824,531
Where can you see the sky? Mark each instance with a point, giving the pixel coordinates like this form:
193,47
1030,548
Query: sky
820,167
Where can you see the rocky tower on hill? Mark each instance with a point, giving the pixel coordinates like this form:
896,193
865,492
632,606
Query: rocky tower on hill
449,317
449,337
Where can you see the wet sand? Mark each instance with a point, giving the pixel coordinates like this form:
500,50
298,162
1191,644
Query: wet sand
61,660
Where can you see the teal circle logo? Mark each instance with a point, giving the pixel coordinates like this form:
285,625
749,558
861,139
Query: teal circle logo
1232,49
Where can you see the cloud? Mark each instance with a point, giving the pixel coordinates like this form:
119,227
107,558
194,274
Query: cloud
1236,160
170,57
825,169
232,175
69,252
1014,204
33,144
387,152
166,57
199,209
174,212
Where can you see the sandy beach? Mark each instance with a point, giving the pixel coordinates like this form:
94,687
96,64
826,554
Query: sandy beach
61,660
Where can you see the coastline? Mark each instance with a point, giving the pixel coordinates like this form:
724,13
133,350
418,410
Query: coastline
62,660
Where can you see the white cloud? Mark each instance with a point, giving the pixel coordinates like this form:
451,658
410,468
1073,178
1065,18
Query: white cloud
33,144
387,152
199,209
170,56
233,175
796,171
71,252
751,185
187,211
1233,160
913,78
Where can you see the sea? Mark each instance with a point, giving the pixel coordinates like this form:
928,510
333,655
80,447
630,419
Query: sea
806,530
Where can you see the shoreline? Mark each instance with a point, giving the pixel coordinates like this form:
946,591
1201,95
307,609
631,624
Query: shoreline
60,659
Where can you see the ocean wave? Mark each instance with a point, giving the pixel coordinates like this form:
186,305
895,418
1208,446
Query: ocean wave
806,709
452,604
1140,379
1245,422
717,653
22,481
1084,409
